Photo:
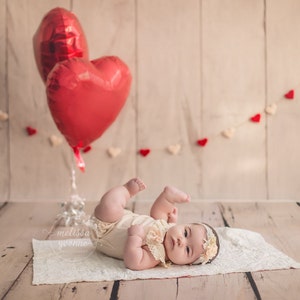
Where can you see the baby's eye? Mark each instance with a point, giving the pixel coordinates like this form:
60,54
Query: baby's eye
187,250
185,233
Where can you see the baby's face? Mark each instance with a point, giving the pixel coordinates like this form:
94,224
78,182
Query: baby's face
184,243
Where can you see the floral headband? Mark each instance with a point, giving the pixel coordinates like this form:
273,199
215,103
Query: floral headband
210,247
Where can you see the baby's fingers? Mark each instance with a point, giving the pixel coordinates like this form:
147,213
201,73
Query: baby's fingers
172,217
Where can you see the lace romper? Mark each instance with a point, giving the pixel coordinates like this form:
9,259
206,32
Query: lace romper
110,238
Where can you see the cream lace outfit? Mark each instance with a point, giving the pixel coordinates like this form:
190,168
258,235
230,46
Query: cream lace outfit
110,238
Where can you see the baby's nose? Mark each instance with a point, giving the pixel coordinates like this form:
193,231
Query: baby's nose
180,242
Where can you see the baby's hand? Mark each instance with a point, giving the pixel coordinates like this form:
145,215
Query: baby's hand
172,217
137,229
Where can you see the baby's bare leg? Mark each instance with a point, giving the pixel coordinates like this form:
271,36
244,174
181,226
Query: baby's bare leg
112,204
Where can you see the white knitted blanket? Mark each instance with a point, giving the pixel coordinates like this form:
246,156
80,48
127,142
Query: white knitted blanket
75,260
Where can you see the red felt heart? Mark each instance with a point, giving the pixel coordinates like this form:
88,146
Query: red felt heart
87,149
59,37
202,142
289,95
255,118
144,152
85,97
31,131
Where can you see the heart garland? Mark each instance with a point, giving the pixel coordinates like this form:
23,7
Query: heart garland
270,110
171,149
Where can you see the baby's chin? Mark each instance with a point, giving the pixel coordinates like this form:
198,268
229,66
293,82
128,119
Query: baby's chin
167,258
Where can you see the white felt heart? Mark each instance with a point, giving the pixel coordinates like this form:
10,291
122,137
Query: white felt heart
113,151
55,140
229,133
271,109
3,116
174,149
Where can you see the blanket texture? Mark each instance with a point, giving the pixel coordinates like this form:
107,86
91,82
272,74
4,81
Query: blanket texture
75,260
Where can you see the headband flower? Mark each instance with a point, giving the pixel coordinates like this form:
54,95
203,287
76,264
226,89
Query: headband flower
210,247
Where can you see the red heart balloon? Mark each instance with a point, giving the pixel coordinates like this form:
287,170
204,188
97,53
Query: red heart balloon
59,37
85,97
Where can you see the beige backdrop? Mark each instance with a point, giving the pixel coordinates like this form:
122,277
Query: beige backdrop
199,67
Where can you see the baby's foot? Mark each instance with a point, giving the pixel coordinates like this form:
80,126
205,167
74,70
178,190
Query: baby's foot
173,195
134,186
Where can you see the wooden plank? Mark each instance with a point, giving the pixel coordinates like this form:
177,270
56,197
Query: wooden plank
233,67
148,289
109,27
23,287
19,223
279,224
88,290
283,73
4,149
34,163
168,69
83,290
228,286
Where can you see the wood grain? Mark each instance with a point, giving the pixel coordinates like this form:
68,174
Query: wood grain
19,223
279,225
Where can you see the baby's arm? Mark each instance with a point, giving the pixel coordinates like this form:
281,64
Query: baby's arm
135,257
164,206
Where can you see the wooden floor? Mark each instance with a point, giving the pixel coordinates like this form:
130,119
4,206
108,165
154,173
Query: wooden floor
279,223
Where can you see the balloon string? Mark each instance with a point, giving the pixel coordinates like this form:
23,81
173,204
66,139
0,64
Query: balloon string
73,181
79,160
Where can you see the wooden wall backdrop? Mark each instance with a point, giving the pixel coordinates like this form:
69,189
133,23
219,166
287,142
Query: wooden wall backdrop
199,67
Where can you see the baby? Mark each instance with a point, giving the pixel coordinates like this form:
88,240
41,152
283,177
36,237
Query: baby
146,241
